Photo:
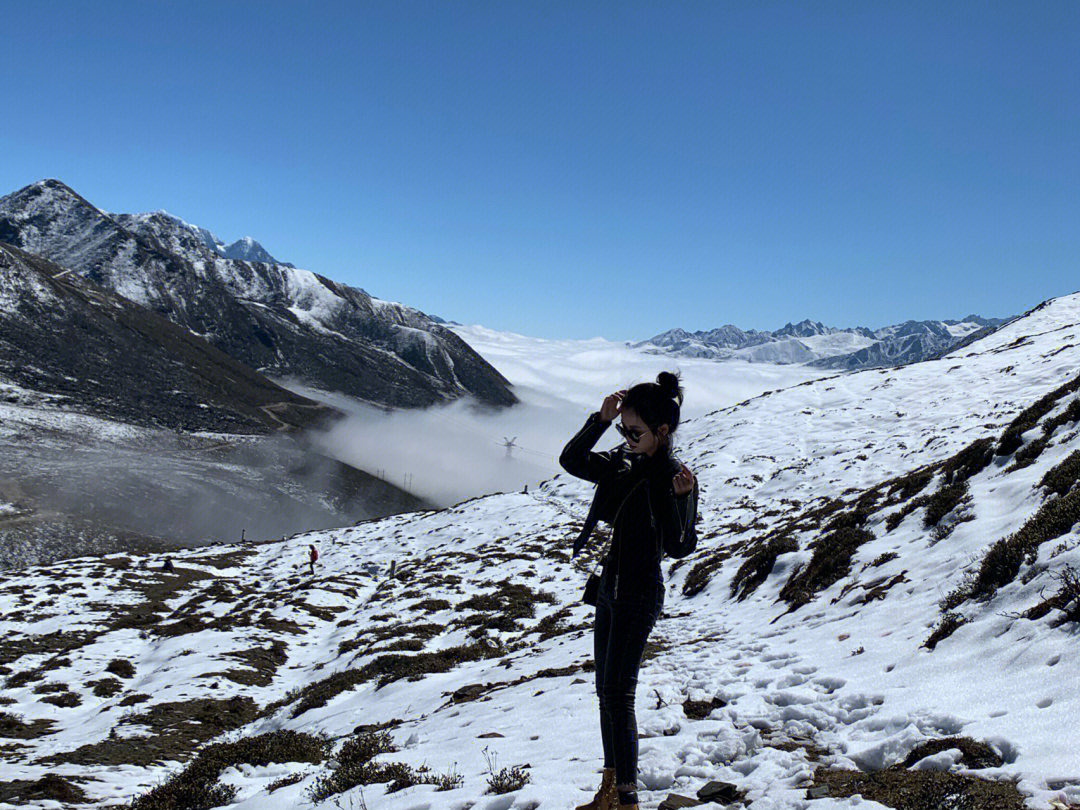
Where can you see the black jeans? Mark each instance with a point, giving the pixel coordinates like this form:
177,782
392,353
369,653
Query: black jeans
620,633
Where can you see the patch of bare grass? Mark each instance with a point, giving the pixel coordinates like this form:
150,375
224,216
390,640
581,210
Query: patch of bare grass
51,787
176,729
13,726
904,789
387,669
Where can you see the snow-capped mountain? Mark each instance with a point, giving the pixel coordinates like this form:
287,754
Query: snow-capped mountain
96,352
246,249
882,611
814,344
277,319
122,430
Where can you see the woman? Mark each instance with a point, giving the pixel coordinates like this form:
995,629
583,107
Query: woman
650,500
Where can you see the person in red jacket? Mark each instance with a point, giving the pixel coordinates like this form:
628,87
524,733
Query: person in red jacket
313,557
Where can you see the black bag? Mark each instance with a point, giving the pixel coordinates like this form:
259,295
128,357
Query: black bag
592,588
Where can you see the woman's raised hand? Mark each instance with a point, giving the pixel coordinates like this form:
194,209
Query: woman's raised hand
612,405
683,481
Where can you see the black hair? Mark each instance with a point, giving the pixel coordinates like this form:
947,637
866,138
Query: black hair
657,403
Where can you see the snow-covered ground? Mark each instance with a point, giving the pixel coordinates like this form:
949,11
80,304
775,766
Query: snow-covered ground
845,671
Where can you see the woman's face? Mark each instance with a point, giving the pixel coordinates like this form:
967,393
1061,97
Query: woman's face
648,442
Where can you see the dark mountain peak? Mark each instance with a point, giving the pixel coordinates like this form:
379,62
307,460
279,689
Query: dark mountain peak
804,328
50,183
248,250
981,321
48,192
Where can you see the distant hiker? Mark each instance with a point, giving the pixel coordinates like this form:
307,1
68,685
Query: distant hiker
526,490
649,498
313,555
393,565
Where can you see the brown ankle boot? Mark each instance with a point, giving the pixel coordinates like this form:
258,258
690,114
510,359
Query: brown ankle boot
617,804
605,796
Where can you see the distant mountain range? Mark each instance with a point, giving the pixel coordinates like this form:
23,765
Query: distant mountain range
814,344
278,320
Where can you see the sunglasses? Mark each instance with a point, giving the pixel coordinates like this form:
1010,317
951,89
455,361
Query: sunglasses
629,434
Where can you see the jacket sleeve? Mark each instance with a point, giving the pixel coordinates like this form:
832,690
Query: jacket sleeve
675,518
577,457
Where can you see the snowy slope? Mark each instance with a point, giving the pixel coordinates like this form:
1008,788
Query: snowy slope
843,682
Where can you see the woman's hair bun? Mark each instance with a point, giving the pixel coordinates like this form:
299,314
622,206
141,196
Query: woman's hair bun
670,383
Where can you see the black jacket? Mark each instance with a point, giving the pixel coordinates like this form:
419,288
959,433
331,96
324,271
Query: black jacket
634,495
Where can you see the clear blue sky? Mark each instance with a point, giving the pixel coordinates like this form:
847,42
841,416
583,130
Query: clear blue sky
583,168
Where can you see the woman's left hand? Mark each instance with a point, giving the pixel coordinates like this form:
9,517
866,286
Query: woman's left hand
683,482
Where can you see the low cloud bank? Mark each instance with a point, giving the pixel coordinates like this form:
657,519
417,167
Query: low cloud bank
449,453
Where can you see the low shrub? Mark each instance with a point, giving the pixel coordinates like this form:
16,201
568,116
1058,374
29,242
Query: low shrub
387,669
911,484
507,780
197,787
943,501
702,572
432,605
355,767
896,518
1028,454
51,787
968,462
881,559
1002,562
1012,437
13,726
831,562
284,781
1063,476
65,700
1067,599
121,667
51,686
946,627
757,567
106,687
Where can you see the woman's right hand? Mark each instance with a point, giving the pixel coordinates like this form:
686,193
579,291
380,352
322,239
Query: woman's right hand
612,405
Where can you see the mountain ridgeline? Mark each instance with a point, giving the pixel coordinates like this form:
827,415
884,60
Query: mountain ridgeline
276,319
813,344
84,347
